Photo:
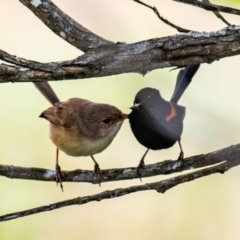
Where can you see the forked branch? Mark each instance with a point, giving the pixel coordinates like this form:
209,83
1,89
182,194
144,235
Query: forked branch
160,187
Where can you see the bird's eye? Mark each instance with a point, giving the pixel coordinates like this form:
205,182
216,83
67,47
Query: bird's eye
107,120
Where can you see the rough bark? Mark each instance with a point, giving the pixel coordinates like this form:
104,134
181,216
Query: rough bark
142,57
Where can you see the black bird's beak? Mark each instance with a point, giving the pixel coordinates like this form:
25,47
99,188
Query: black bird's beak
135,106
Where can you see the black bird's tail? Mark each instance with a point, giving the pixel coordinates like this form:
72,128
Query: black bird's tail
183,80
47,91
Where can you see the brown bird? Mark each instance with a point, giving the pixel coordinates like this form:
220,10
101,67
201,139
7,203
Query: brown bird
80,127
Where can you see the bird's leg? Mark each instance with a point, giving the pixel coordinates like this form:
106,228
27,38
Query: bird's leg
59,174
181,156
97,171
141,165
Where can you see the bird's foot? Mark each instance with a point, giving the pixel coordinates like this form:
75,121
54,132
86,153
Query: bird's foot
140,167
180,161
97,172
59,176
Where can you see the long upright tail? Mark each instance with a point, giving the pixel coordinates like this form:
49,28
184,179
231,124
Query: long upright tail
183,80
47,91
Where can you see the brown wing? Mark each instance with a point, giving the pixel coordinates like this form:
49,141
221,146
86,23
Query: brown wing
49,114
63,114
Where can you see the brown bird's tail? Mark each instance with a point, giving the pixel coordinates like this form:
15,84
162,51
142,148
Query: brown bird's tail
47,91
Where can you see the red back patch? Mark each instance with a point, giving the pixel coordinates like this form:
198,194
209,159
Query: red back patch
172,114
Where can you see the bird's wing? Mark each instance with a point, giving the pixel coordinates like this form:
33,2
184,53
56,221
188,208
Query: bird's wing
60,114
49,114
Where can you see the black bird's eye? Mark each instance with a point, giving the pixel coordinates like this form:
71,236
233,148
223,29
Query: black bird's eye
107,120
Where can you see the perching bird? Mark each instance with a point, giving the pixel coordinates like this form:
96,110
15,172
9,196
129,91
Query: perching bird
156,123
80,127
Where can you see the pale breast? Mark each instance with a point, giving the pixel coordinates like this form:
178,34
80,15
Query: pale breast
73,144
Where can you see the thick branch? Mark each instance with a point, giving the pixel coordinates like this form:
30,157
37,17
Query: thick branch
142,57
160,187
64,26
210,7
230,154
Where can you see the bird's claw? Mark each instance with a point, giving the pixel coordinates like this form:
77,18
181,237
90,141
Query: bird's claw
180,160
59,176
140,167
97,172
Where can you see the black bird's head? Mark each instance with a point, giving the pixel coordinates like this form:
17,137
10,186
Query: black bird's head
145,96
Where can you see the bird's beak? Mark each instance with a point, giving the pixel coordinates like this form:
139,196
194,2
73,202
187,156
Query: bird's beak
124,116
135,106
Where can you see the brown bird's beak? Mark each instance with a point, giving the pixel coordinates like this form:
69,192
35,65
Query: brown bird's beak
123,117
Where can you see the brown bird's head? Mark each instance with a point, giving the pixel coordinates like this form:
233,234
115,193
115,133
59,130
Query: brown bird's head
101,119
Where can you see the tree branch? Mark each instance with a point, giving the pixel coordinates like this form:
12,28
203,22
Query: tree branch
210,7
49,67
64,26
229,154
160,187
142,57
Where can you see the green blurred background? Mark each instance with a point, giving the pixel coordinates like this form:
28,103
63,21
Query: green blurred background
207,208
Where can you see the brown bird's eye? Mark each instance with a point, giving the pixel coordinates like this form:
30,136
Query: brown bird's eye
107,120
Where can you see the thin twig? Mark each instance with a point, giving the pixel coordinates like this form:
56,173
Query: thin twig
180,29
210,7
50,68
218,14
160,187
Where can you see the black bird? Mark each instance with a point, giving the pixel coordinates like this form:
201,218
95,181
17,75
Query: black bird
157,123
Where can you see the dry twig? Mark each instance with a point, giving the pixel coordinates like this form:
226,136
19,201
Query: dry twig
180,29
210,7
